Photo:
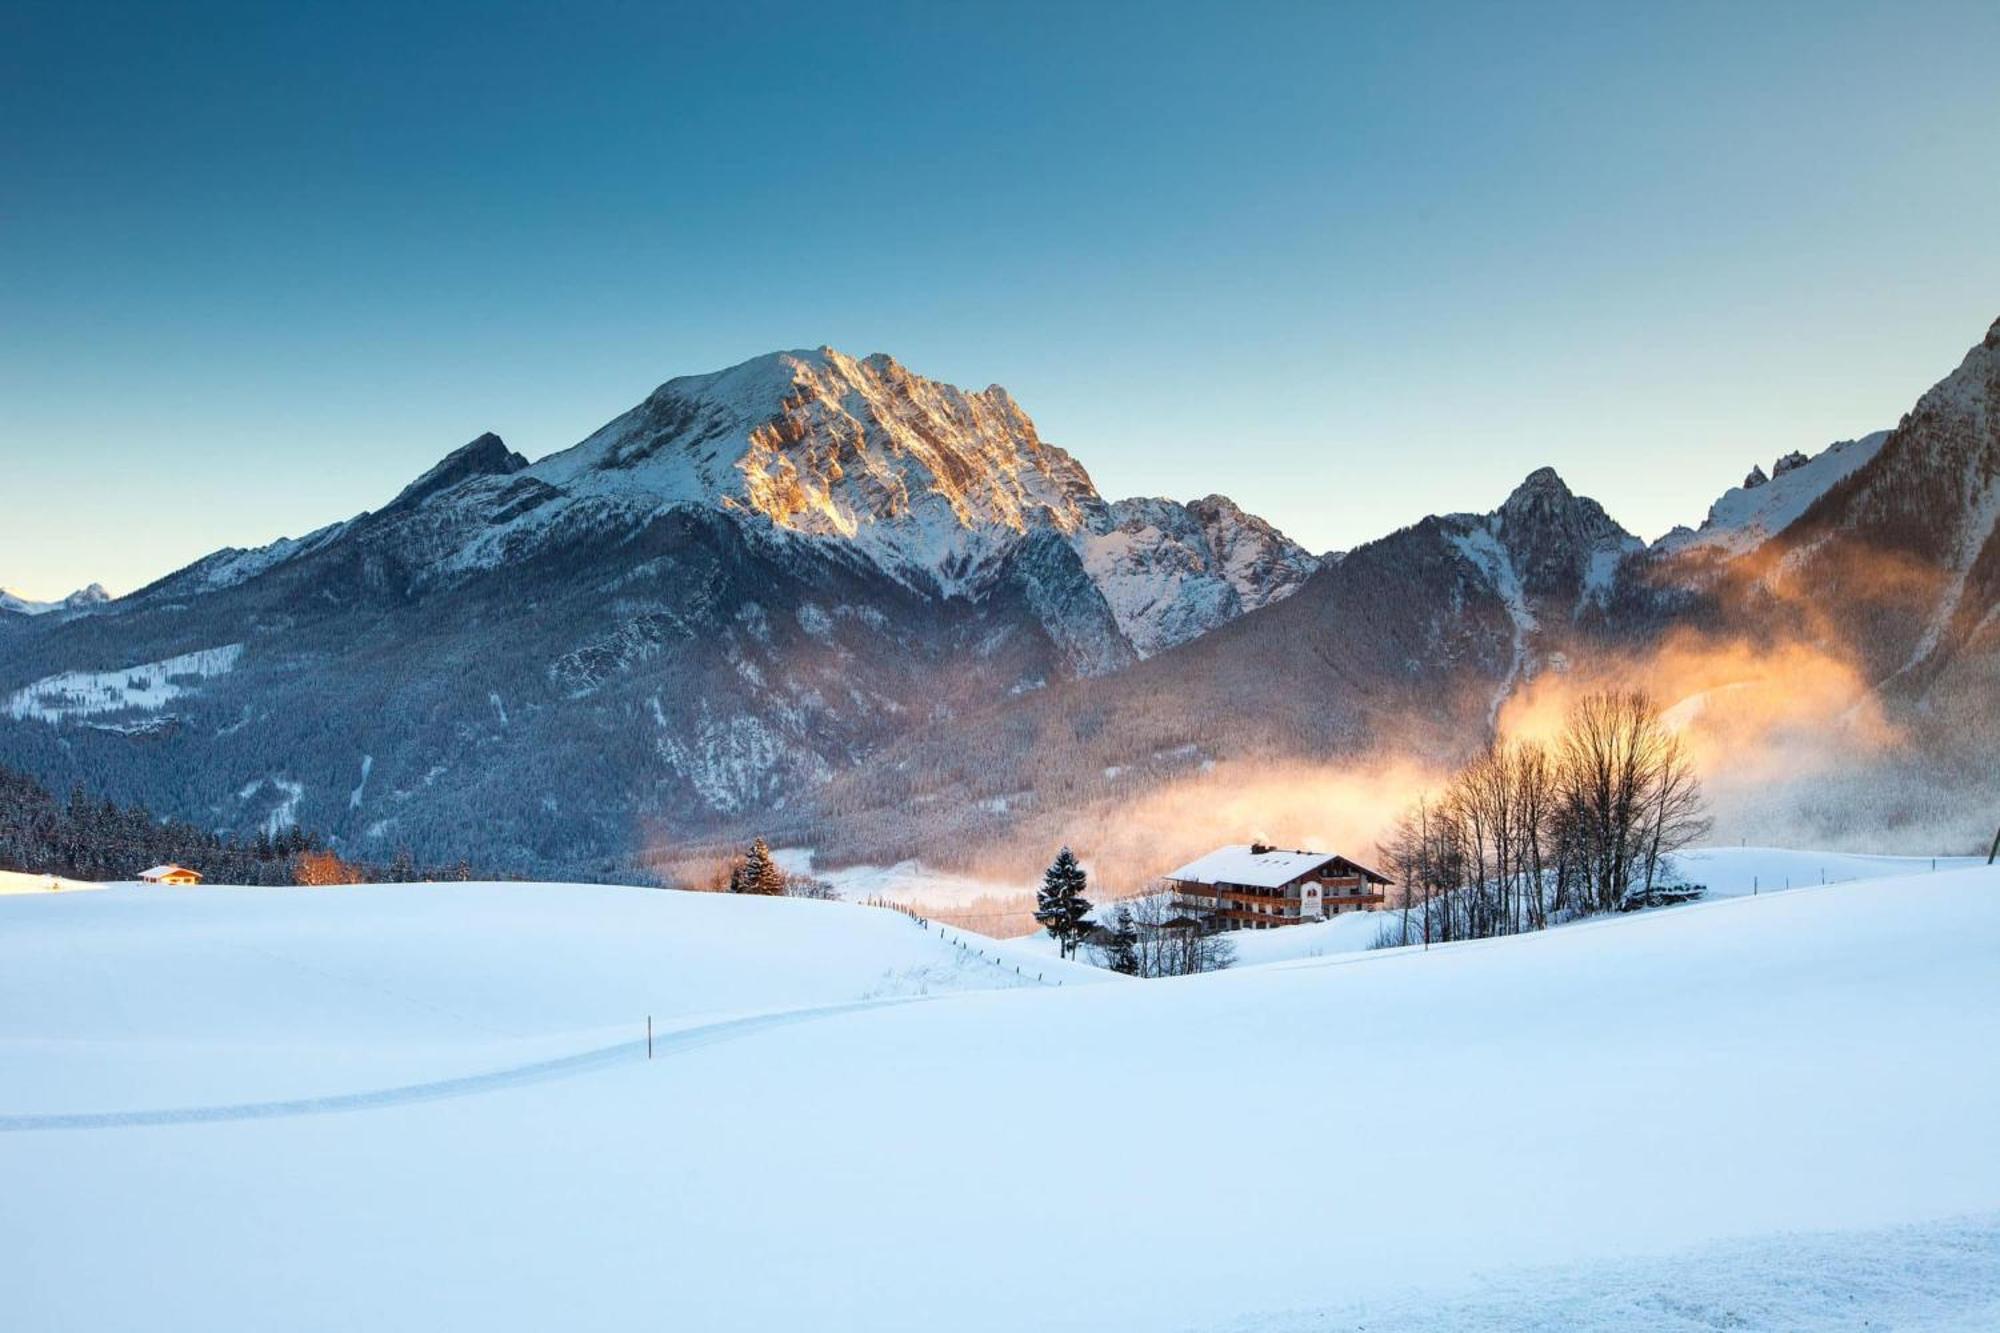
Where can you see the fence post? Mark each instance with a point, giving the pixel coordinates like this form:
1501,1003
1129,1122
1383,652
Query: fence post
649,1036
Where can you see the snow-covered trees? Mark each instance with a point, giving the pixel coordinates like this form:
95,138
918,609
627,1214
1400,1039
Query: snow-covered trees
757,872
1527,833
88,838
1120,946
1060,906
1147,938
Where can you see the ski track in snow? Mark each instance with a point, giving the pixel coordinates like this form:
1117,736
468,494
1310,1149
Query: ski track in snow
537,1071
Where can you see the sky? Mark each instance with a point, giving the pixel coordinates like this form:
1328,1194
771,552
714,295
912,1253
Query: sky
1349,265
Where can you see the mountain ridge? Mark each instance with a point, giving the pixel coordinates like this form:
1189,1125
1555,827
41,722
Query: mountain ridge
829,597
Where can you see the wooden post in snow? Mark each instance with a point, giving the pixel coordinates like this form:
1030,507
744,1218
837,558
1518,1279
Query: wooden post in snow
1996,849
649,1036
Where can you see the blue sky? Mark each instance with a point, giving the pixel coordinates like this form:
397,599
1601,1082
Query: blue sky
259,266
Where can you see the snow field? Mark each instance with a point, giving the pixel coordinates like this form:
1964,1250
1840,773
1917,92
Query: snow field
1518,1127
151,998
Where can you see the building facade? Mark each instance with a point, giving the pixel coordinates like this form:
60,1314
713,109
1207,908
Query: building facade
1255,887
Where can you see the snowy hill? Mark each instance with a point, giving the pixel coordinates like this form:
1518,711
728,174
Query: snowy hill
1764,1112
229,995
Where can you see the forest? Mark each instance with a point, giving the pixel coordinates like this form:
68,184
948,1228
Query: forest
93,839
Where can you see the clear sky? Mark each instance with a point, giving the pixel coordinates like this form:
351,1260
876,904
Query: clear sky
260,266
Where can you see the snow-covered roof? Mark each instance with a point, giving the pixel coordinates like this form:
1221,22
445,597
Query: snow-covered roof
1247,865
161,872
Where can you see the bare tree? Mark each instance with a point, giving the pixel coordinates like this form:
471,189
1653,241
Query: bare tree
1525,835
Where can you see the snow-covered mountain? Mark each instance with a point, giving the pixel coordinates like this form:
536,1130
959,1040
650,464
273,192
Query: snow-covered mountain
933,486
1765,505
83,599
826,597
743,585
1875,564
1173,571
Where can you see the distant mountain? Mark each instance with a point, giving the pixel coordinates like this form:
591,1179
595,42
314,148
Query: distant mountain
1871,566
83,599
1765,505
746,584
1410,643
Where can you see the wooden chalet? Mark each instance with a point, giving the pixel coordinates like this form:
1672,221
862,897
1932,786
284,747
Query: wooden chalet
170,874
1256,887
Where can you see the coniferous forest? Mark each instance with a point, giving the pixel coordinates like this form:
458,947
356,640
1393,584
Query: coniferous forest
82,837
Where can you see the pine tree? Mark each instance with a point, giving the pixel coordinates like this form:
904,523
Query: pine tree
1061,906
757,872
1121,952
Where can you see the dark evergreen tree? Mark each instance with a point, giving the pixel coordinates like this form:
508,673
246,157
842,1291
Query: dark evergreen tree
1060,906
758,873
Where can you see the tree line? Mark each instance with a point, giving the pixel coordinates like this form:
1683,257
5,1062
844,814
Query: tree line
93,839
1530,834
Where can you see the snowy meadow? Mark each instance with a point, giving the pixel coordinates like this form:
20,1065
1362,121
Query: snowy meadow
423,1106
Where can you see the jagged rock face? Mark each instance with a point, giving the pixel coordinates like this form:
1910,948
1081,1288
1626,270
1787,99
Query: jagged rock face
1755,478
1905,550
486,456
931,482
1172,571
1554,535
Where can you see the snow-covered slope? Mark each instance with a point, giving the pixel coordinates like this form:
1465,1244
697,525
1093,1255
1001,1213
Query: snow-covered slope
145,687
1748,515
223,995
1680,1095
1725,872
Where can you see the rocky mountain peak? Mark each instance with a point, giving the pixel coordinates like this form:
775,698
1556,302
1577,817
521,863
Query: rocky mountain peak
1543,481
486,456
1555,535
1544,504
922,476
